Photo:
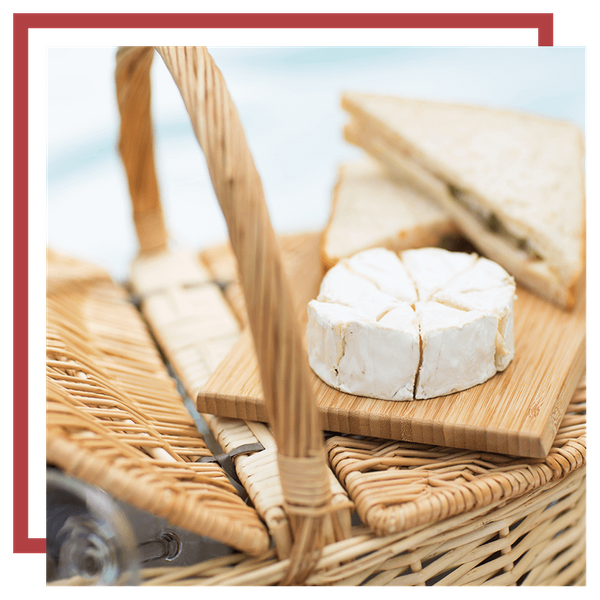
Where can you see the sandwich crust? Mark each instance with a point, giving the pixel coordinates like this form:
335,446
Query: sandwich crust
526,212
398,216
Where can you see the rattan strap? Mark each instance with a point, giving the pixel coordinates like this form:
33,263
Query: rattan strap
291,407
136,145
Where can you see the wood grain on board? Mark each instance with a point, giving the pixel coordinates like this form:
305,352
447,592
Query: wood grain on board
515,412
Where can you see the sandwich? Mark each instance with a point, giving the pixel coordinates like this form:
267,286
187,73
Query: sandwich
512,182
371,209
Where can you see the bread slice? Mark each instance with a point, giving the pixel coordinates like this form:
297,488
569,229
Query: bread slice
372,209
512,182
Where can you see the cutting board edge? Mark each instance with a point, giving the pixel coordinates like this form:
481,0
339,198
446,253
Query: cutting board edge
460,437
225,405
570,384
497,441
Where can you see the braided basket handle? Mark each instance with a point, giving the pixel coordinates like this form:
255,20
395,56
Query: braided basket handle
291,406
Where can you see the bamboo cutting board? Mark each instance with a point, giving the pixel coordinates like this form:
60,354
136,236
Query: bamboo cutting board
516,412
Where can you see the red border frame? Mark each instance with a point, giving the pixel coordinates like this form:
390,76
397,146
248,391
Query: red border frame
543,22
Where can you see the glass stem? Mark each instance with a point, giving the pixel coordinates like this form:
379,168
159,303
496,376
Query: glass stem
167,545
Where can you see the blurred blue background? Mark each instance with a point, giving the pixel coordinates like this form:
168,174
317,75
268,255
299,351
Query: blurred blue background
289,103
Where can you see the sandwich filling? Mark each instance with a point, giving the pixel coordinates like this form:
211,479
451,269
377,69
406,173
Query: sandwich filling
383,146
492,223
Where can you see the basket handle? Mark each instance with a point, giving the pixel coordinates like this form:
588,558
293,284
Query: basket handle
291,406
136,145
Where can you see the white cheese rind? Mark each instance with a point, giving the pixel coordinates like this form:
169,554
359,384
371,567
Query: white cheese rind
483,275
432,268
365,338
381,359
383,268
362,357
325,337
343,286
496,301
458,349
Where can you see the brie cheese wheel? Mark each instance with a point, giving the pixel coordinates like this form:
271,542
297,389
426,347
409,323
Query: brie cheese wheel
423,324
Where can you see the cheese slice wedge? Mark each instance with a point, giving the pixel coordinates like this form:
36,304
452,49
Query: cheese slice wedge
425,324
346,287
386,271
458,349
432,268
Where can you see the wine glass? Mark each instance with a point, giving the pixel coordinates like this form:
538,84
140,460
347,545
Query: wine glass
89,540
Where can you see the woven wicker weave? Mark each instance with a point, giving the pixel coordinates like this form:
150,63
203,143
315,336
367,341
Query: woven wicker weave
115,419
538,539
431,515
535,539
399,485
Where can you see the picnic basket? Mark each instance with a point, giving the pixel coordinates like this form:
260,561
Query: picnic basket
426,515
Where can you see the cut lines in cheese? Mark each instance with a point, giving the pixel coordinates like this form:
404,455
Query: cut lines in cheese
425,324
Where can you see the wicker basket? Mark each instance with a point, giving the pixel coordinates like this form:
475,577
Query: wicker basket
429,515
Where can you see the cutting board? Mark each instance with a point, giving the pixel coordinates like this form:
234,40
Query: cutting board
516,412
